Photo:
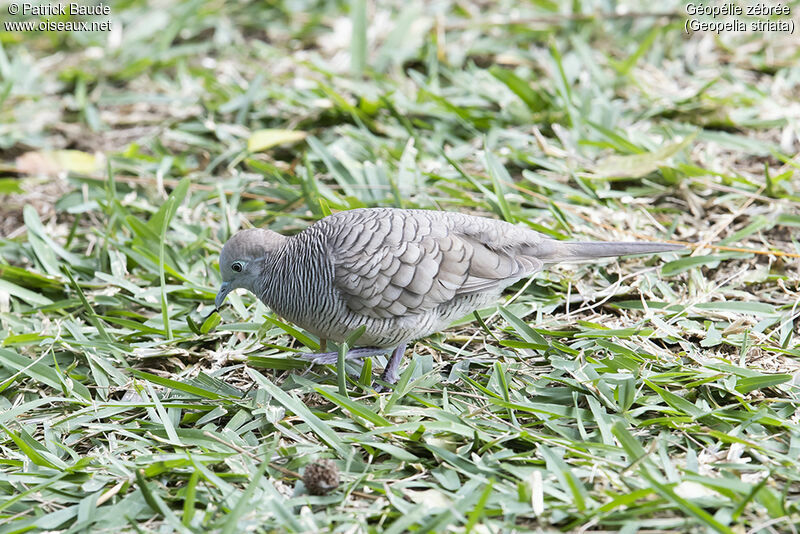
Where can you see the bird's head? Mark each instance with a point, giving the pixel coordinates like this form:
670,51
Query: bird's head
242,259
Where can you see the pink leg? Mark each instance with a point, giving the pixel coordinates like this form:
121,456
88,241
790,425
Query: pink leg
330,358
390,374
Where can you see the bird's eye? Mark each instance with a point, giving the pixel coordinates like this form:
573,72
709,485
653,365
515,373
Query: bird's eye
237,266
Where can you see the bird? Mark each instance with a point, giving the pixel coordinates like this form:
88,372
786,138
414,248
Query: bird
401,274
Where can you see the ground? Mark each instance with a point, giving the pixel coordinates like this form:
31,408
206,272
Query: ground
651,394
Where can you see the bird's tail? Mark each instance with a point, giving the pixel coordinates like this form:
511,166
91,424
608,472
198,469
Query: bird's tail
552,251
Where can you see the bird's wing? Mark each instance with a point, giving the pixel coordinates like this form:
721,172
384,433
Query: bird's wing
398,262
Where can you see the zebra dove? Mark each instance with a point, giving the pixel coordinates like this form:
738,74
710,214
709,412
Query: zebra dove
402,274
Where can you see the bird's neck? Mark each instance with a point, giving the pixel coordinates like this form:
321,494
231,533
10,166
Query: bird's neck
297,276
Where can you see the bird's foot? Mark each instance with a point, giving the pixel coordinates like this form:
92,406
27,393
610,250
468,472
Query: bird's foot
390,374
330,358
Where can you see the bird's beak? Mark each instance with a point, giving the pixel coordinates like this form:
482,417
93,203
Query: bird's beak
224,289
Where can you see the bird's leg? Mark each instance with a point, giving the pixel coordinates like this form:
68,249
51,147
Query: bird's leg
330,358
390,374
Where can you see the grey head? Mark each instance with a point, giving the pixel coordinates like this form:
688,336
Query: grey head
242,258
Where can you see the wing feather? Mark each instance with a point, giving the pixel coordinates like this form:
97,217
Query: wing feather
391,263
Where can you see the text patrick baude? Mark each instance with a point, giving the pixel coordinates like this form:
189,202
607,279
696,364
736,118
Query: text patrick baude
72,9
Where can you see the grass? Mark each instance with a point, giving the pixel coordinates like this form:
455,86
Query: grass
646,394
